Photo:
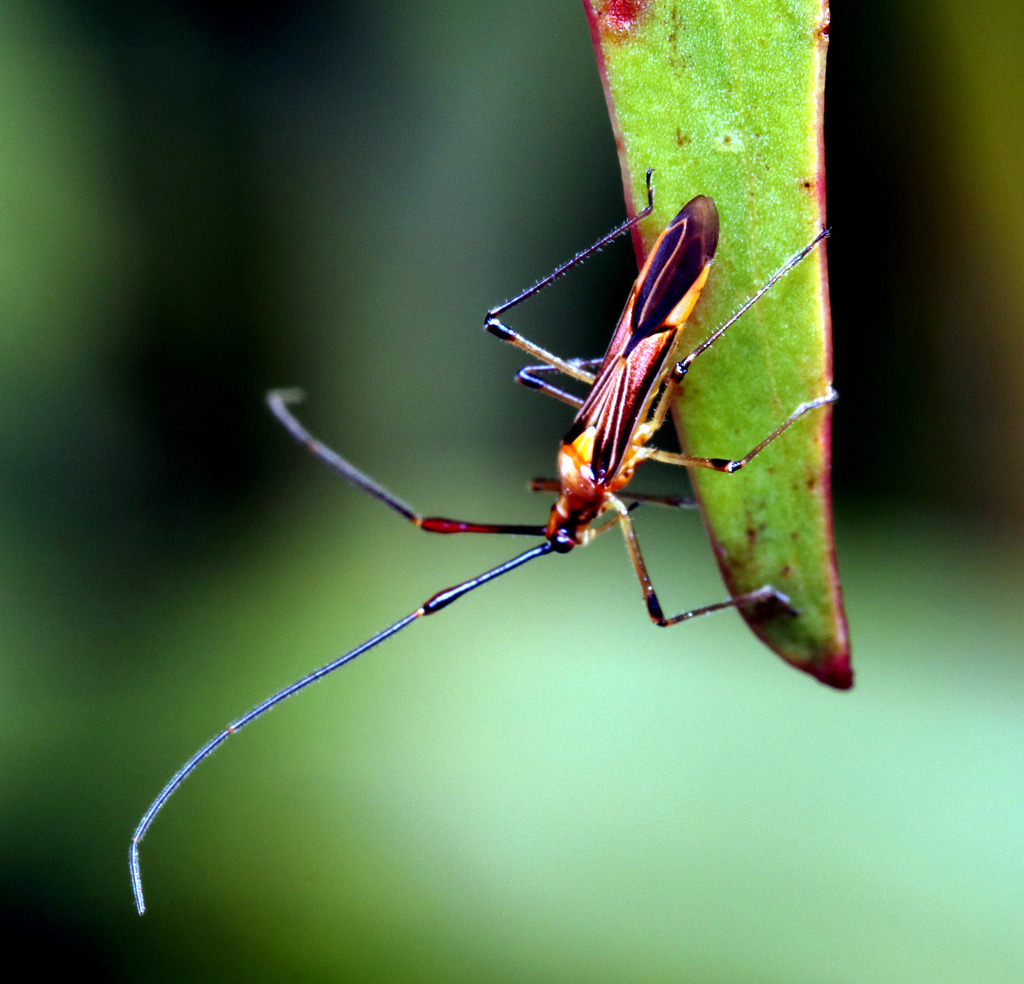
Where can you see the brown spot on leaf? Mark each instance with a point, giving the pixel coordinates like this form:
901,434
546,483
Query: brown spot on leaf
754,532
676,22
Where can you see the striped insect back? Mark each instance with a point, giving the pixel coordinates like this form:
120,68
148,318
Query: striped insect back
599,452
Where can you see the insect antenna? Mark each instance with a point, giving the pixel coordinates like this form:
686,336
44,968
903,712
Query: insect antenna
434,604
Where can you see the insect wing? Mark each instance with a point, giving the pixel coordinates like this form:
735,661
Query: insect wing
672,277
662,297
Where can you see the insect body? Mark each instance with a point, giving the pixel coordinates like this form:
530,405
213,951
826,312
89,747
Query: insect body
628,399
608,438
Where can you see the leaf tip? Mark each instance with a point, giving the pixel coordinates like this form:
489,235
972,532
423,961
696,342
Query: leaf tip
835,671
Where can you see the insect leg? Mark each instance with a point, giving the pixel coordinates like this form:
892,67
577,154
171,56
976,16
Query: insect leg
679,371
492,315
493,324
772,602
730,465
685,364
569,367
672,501
279,402
530,376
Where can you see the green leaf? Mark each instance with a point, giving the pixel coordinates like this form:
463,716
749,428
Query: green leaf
725,99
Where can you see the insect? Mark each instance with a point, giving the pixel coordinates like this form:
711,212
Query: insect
631,390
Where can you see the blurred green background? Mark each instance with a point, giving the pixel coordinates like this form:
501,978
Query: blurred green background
196,205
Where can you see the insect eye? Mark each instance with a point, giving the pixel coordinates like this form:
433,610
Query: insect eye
563,541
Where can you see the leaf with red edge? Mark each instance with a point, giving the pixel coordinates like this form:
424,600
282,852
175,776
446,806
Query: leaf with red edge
726,100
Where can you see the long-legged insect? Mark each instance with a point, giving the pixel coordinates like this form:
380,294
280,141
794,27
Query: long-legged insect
628,399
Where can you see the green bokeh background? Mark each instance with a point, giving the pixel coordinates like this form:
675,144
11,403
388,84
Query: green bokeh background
537,786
